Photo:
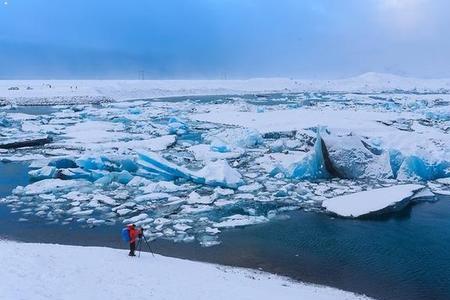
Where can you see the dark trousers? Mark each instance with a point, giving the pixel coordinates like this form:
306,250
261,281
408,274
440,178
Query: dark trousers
132,248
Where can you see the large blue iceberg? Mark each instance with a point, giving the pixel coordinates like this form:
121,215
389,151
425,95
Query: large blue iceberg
218,173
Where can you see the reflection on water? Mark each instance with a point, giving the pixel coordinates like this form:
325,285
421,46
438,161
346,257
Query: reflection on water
400,257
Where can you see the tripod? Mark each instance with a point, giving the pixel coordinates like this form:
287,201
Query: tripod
139,245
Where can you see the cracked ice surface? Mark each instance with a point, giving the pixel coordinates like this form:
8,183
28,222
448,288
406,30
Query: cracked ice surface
186,169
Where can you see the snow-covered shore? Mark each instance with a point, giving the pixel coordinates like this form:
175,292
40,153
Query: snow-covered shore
81,91
45,271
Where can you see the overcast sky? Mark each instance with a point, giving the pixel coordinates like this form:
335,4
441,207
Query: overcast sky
217,38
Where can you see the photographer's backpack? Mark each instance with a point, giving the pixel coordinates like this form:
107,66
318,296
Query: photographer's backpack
125,235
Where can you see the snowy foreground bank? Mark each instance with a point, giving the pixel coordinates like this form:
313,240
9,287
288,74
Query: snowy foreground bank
43,271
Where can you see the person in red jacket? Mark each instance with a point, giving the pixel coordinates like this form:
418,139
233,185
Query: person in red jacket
134,234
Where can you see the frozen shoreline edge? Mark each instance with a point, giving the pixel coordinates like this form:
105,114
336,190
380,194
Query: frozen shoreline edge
63,265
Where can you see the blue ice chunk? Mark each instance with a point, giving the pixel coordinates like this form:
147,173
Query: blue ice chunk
418,104
177,126
97,174
253,139
105,180
135,110
438,115
418,168
3,121
90,163
153,171
217,173
123,177
391,105
313,164
220,146
97,163
191,137
128,165
63,163
396,159
160,164
121,120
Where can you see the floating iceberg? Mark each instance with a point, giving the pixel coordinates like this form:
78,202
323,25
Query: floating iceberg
49,186
351,158
195,198
177,126
63,163
219,146
154,162
219,173
312,165
374,201
237,137
240,220
416,168
4,122
42,173
122,177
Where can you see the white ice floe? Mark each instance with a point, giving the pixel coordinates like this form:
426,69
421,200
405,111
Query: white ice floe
250,187
424,194
274,163
104,199
236,137
49,186
195,198
445,181
42,173
135,219
126,147
219,173
240,220
89,132
372,201
162,186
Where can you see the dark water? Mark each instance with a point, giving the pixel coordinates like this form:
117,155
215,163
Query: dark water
32,110
403,257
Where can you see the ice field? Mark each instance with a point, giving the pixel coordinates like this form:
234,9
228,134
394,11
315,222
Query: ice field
186,168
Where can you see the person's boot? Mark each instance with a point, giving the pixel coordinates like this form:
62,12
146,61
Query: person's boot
132,254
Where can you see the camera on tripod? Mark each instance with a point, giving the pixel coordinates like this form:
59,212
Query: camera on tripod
141,233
